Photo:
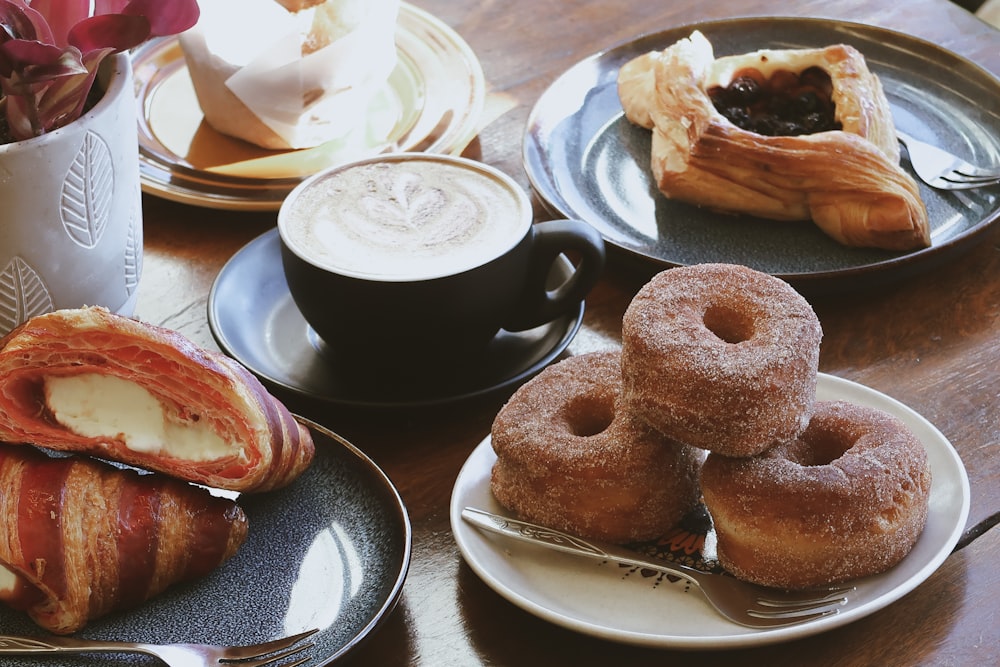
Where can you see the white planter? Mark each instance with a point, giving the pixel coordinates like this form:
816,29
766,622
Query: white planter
71,211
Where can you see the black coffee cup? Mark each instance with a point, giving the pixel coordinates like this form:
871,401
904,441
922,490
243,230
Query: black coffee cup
380,259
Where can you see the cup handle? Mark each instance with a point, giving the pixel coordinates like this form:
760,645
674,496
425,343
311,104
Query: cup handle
540,305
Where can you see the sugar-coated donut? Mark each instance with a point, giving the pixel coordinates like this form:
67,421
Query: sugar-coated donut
721,357
846,499
570,457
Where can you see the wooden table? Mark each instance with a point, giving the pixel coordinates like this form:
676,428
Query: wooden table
933,343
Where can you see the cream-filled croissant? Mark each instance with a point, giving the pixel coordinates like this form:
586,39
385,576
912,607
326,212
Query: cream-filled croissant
780,134
80,538
87,380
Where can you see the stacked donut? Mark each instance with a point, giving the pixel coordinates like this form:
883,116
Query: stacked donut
572,456
723,359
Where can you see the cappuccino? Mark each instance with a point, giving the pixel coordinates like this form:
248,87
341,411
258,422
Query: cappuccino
412,217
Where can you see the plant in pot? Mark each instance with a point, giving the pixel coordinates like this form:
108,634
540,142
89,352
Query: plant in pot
70,201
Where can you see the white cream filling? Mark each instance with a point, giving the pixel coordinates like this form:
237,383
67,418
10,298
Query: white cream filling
104,406
8,582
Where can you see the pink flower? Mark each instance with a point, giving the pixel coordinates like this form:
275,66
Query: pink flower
50,51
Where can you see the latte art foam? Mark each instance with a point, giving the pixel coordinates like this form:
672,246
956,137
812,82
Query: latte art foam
405,219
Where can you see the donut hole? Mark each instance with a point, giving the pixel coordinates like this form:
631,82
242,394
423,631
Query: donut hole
587,416
821,449
728,324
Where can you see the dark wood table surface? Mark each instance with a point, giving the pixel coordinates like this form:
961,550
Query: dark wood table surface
932,342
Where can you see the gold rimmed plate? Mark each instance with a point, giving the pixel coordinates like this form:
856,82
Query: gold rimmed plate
431,102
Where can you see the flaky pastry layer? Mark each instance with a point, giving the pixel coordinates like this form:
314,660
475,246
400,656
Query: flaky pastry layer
847,181
267,446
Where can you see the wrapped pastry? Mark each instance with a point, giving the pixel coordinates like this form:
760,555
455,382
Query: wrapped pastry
89,381
295,73
80,538
779,134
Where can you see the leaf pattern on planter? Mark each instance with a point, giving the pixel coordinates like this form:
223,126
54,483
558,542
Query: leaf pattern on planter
23,295
133,247
87,192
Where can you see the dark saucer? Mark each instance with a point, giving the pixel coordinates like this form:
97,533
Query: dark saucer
254,320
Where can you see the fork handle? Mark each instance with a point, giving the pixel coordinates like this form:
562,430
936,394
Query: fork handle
560,541
16,645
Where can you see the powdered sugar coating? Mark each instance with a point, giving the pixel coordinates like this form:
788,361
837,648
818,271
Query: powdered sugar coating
570,456
846,499
721,357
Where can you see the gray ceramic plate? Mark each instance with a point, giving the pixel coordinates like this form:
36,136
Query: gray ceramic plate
586,161
254,320
329,551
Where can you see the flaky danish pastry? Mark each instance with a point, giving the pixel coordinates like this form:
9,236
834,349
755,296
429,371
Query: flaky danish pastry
86,380
780,134
80,538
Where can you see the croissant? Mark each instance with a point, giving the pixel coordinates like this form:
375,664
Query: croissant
87,380
847,179
80,538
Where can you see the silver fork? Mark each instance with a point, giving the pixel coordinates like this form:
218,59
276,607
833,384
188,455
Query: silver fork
940,169
742,603
175,655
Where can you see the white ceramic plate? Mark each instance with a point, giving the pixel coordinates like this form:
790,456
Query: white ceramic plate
431,103
618,604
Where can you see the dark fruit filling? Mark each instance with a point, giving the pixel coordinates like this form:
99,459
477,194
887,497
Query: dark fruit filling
787,104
